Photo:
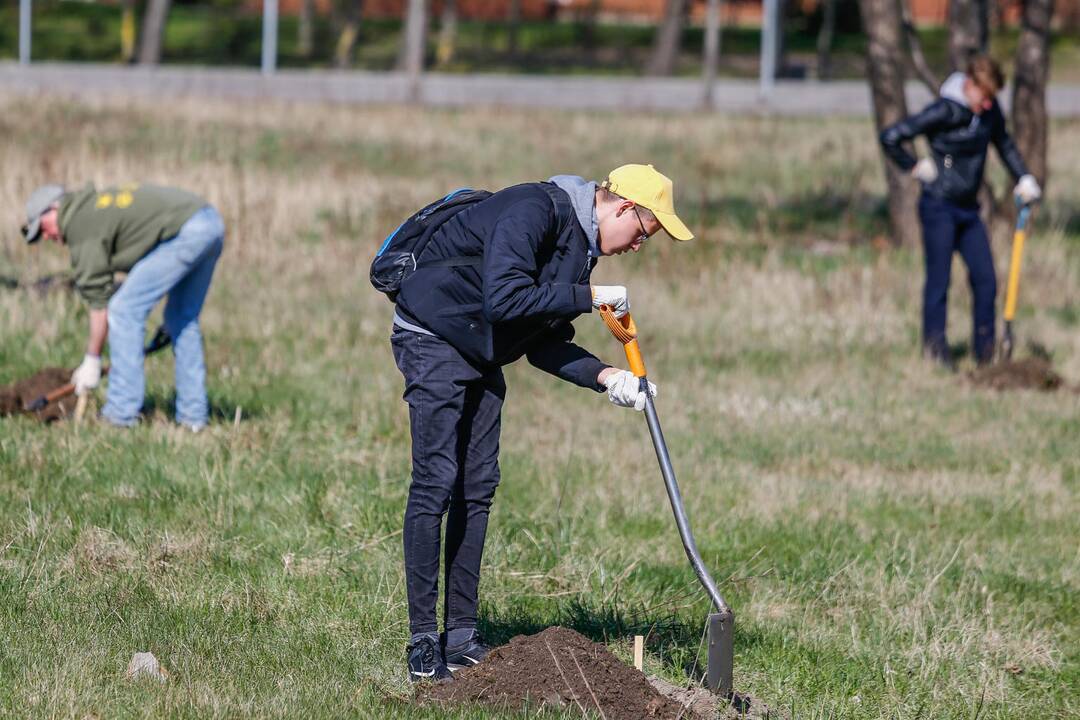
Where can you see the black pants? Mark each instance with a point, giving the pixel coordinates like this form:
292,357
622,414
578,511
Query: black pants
948,228
454,413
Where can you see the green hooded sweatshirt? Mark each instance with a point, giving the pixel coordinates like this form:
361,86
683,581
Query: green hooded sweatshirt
110,230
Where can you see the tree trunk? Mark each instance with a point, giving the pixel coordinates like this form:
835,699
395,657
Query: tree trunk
513,25
969,30
347,16
665,52
1029,88
885,68
825,39
414,38
711,64
444,51
305,29
153,31
588,28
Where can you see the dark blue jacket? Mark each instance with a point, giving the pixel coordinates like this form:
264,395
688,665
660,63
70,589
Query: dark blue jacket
958,141
533,280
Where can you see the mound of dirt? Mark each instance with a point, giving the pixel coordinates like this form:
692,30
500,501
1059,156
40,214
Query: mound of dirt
14,397
1028,374
557,667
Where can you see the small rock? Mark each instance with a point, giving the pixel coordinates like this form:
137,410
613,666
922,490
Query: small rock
144,664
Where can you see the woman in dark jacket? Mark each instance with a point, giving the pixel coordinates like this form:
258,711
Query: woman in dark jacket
959,126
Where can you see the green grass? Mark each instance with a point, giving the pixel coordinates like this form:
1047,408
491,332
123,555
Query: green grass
221,33
895,542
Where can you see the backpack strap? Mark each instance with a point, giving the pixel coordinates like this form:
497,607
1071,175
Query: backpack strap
564,211
462,261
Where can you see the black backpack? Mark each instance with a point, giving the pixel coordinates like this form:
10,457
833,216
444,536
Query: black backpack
396,258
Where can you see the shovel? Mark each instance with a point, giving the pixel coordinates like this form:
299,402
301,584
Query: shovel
1013,287
721,651
160,340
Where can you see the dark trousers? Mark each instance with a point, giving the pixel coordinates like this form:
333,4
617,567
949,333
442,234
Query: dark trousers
947,228
454,414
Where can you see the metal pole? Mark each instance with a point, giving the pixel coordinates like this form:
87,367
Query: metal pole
712,50
24,32
770,23
269,36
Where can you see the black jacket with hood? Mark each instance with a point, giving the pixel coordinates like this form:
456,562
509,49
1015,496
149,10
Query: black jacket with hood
958,139
520,300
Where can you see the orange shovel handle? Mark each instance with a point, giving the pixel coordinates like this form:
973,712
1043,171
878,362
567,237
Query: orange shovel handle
625,332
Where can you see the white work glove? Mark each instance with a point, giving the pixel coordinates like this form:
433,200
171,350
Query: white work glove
613,295
1028,190
87,376
925,171
624,390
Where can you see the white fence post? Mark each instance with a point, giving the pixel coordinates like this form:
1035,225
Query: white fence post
24,32
269,36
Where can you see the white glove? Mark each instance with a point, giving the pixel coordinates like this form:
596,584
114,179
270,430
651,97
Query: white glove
624,390
612,295
1028,190
87,376
925,170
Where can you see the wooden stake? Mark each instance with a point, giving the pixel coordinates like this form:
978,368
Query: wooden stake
80,407
639,651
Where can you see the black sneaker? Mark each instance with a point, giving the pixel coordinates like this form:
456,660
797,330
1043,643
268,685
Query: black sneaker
426,661
467,654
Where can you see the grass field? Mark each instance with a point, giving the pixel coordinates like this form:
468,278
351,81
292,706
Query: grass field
895,542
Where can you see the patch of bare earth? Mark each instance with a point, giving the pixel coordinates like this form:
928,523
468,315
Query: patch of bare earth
15,397
561,668
1027,374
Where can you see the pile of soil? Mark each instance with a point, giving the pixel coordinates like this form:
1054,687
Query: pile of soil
1028,374
557,667
14,397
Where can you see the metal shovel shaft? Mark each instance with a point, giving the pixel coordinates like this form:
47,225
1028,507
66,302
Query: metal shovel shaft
721,628
677,508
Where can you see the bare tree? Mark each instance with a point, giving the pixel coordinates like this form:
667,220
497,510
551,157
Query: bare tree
711,61
969,30
825,39
513,25
882,20
128,33
346,15
1029,89
447,44
414,44
305,29
151,39
918,59
665,53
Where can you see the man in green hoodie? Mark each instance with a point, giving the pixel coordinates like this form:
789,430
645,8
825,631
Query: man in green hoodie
167,241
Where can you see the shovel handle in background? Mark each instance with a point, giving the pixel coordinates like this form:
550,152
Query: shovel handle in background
721,650
160,340
1013,288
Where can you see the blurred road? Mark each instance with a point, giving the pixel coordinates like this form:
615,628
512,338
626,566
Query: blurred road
851,98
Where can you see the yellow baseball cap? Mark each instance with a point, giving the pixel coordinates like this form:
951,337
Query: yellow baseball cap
647,187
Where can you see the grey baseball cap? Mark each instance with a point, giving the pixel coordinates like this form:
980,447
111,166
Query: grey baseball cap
40,201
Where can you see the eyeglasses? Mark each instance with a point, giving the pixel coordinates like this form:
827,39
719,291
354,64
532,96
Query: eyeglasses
644,236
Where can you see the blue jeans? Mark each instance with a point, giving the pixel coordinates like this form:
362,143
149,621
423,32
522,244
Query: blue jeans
948,228
180,267
455,411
